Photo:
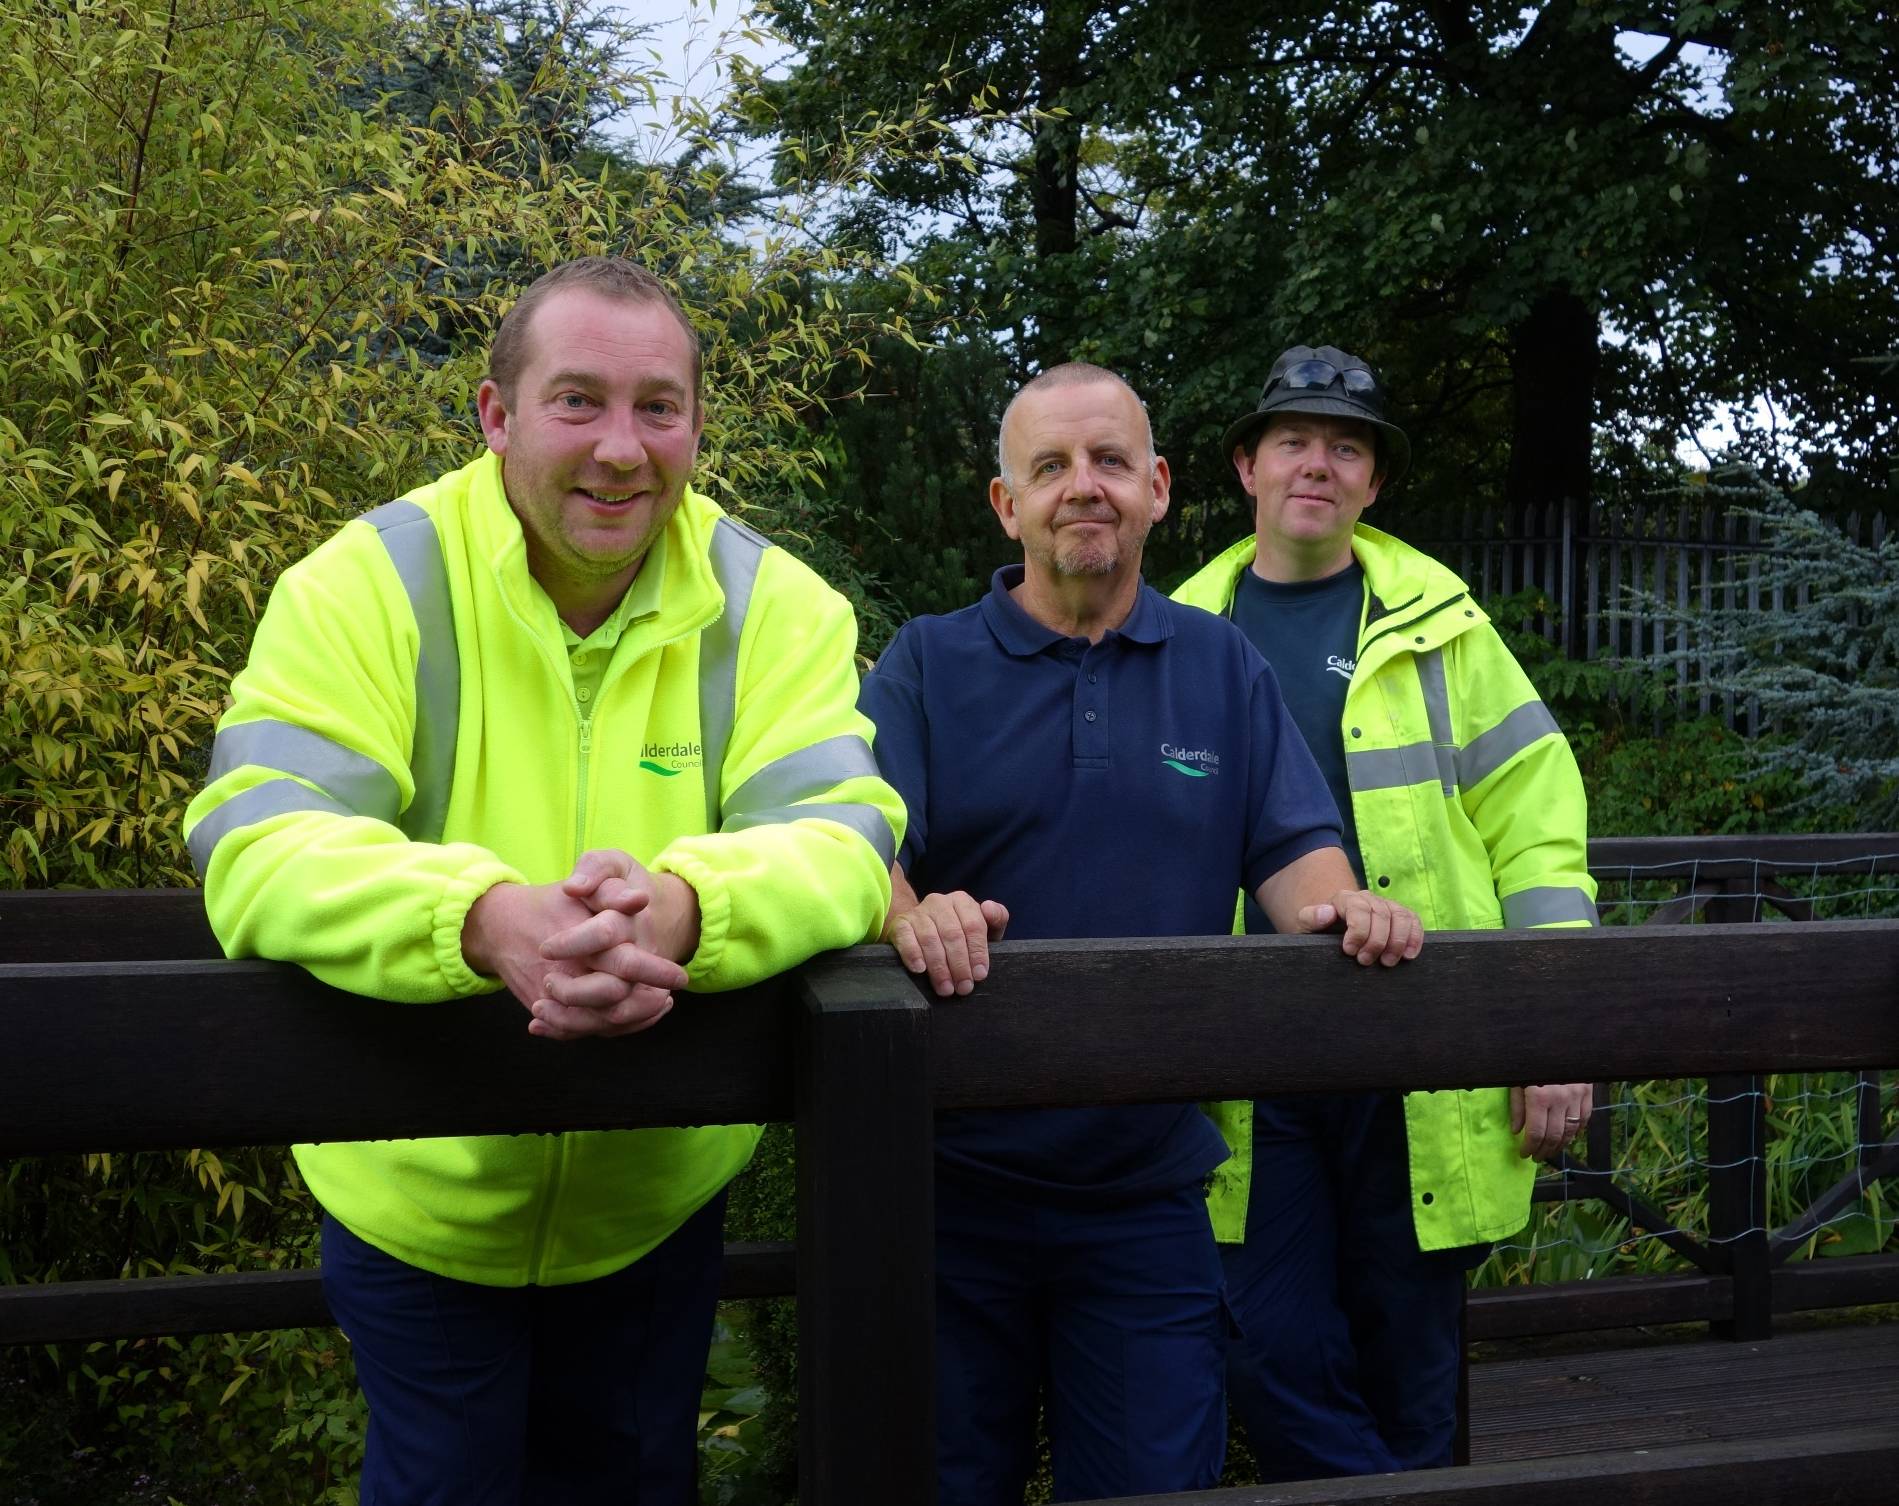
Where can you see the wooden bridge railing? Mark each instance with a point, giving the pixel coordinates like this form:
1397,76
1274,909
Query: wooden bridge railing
121,1030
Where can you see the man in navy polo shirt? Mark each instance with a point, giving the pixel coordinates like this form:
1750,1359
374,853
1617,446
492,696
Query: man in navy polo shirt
1091,760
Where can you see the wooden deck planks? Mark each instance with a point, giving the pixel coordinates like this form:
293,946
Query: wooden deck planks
1695,1390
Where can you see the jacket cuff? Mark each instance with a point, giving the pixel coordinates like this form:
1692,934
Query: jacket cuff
715,913
458,897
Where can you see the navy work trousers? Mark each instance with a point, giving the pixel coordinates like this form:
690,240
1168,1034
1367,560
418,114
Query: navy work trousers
1349,1335
581,1395
1111,1317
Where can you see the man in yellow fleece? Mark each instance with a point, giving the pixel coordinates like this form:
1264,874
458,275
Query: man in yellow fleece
551,723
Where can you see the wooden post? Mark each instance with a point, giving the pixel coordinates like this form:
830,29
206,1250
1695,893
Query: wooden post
1737,1202
1737,1164
866,1239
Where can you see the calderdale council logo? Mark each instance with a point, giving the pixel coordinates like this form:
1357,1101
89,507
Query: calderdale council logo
669,759
1195,763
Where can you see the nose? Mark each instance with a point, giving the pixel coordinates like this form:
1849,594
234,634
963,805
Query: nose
1315,461
618,442
1084,481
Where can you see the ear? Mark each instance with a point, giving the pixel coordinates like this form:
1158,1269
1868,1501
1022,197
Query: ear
1163,486
1243,463
1371,493
493,411
1003,501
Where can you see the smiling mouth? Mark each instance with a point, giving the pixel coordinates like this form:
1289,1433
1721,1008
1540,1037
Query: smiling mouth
606,498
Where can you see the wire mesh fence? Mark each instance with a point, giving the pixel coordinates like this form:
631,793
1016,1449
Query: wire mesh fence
1632,1197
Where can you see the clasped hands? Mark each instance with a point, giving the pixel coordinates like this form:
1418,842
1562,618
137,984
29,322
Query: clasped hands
597,954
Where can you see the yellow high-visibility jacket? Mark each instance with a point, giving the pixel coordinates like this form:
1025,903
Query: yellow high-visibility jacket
407,734
1470,809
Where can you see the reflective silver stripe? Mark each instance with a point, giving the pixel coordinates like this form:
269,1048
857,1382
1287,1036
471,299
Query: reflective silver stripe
1490,751
259,803
1390,768
364,786
866,820
1437,715
808,772
734,557
1542,907
408,533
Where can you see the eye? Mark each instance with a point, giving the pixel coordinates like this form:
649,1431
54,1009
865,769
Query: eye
1112,460
573,402
662,407
1048,467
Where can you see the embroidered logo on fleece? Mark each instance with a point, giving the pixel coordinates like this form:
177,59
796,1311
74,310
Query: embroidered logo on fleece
1343,668
1195,763
669,759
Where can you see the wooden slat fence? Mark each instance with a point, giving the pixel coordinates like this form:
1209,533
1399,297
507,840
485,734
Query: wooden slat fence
1596,563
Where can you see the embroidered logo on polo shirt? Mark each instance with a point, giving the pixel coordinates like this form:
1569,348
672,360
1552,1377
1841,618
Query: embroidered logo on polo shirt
1343,668
1195,763
669,759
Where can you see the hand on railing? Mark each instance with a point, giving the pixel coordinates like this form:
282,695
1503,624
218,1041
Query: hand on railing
948,936
1548,1116
1375,929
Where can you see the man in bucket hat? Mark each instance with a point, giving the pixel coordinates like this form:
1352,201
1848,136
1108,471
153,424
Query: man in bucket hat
1348,1223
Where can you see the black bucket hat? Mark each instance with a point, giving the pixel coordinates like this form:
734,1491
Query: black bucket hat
1325,380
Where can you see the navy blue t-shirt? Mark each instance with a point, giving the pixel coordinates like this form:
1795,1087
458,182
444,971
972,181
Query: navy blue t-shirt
1308,631
1123,788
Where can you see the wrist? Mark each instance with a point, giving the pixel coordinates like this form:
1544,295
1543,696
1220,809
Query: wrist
481,928
674,914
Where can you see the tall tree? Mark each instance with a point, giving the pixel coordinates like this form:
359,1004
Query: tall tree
1568,233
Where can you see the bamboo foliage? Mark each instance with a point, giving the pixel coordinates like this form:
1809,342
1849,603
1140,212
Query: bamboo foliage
224,294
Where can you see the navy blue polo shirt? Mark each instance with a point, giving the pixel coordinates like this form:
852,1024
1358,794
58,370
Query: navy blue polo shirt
1122,788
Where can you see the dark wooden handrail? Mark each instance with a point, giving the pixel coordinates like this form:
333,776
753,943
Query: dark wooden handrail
162,1055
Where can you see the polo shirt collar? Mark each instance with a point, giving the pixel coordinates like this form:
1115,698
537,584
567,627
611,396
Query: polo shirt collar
1021,635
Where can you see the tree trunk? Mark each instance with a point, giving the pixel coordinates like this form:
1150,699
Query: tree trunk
1054,196
1553,358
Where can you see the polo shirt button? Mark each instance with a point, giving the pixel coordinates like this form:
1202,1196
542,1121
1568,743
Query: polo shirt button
583,694
1093,678
1087,716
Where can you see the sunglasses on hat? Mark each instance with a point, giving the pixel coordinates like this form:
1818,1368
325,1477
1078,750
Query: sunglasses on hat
1316,375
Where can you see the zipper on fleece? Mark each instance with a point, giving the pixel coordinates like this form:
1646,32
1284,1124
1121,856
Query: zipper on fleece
580,783
553,1155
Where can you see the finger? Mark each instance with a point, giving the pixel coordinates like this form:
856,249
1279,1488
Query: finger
566,1022
1414,943
903,936
1377,936
594,990
592,868
953,932
1357,919
1517,1111
1546,1118
1318,917
637,965
997,916
935,961
620,895
975,936
597,933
